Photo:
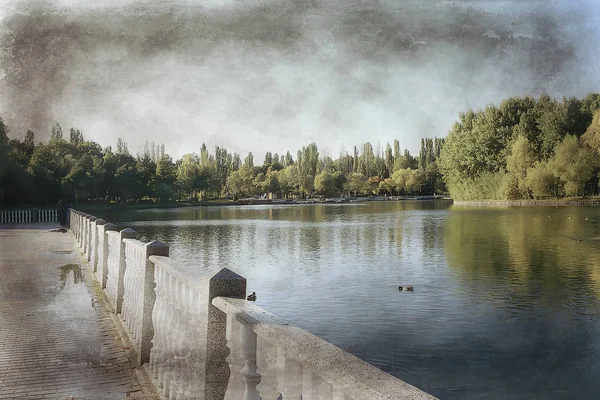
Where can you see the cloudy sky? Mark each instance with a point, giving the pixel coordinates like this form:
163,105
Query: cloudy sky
262,75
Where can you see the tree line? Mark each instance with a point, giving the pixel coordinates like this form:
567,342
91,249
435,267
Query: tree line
525,148
77,170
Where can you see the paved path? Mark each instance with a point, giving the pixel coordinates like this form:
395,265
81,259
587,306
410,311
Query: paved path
57,341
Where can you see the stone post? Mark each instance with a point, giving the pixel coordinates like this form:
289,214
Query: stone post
71,220
98,230
104,265
127,233
90,238
154,248
86,233
75,228
82,236
224,283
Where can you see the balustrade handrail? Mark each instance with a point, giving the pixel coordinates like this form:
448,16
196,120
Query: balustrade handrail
135,243
193,279
112,233
355,377
180,318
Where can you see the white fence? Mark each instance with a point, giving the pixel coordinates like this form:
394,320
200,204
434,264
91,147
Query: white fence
29,216
200,339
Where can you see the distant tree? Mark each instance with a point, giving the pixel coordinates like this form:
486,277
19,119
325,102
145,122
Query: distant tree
324,184
56,132
75,137
30,141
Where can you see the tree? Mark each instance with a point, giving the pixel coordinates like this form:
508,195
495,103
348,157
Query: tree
187,173
357,184
249,161
518,163
591,137
76,137
3,148
573,164
165,170
540,180
29,141
325,184
56,132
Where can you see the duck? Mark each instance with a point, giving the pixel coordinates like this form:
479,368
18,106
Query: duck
252,297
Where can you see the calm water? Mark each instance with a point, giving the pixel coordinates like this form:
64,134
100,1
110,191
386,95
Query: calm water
506,305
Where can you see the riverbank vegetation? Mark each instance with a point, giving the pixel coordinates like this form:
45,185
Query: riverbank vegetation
525,148
77,170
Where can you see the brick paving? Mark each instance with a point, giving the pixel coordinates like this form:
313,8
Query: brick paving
57,339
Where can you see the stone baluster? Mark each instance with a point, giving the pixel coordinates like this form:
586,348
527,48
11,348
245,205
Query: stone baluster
72,223
92,239
171,374
249,374
193,358
82,230
86,234
139,293
154,248
98,248
289,377
266,361
165,366
78,227
179,341
127,233
103,262
158,317
128,283
314,387
112,265
235,387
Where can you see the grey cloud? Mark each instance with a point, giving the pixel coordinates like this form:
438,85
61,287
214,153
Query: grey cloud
257,75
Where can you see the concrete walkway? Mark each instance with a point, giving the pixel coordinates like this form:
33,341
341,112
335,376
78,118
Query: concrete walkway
57,340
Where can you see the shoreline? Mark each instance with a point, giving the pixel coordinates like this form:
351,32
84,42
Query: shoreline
530,203
257,202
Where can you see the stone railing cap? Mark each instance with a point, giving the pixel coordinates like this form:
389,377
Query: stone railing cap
109,226
226,274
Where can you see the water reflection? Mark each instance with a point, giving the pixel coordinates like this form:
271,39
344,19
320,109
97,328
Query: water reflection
505,306
64,274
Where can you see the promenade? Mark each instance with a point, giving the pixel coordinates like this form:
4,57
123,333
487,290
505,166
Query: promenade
57,338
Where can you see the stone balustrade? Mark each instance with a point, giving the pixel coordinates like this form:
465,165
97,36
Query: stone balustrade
29,216
269,357
198,337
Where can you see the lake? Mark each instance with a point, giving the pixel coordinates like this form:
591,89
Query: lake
506,301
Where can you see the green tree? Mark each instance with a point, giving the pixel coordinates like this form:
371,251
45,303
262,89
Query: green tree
518,162
573,164
325,184
357,184
540,180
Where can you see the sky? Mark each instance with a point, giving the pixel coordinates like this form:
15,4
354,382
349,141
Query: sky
263,75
